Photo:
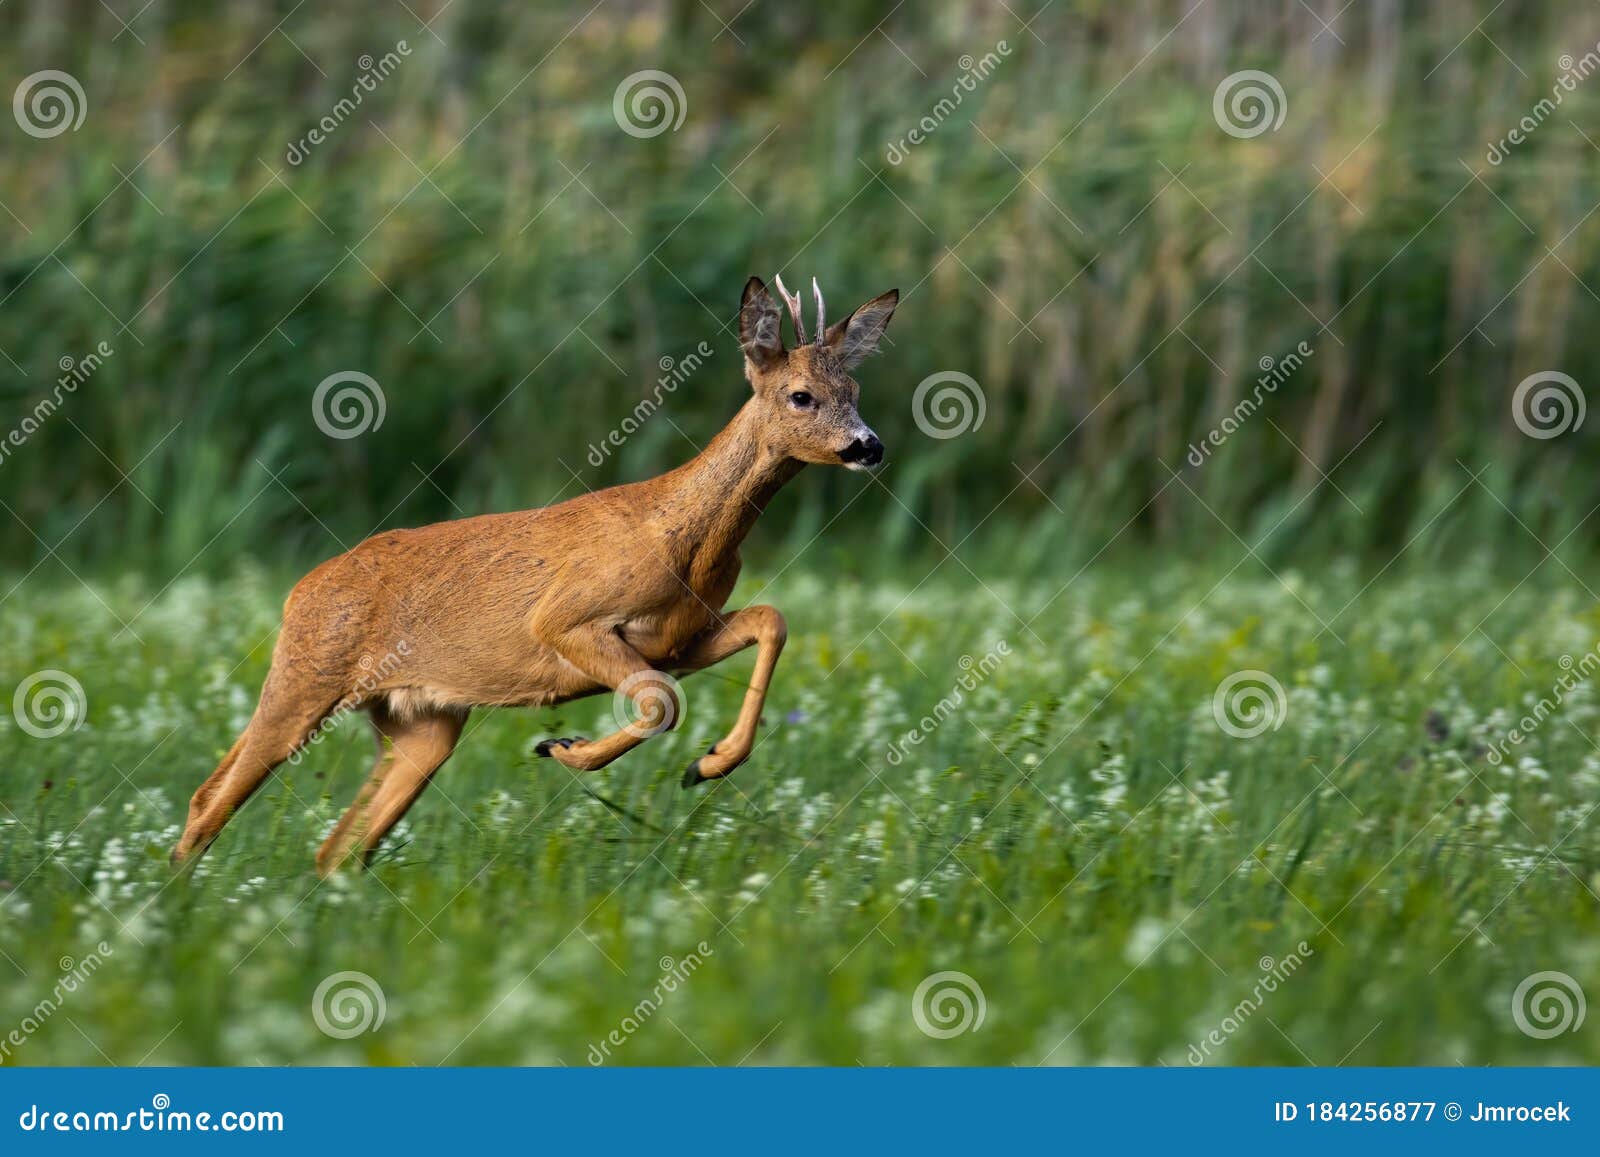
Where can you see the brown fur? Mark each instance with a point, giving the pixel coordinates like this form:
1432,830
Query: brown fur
535,607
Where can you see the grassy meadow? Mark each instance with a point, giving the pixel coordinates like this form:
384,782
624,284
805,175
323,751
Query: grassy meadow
1076,833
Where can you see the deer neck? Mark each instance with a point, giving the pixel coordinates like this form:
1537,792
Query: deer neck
720,493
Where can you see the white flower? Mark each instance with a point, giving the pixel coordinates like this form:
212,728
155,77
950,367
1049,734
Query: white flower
1147,935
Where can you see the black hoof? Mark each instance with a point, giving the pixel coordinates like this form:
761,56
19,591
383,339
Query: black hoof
545,746
691,774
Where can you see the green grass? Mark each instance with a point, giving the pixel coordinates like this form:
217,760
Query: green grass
1079,837
1081,237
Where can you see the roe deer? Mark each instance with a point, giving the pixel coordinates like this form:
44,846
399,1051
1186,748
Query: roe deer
606,591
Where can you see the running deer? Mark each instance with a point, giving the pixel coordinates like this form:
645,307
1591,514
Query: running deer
610,591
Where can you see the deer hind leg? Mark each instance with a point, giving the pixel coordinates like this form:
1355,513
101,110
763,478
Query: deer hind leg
409,752
759,626
606,657
284,719
203,794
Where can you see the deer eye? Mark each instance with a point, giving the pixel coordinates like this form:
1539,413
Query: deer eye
801,400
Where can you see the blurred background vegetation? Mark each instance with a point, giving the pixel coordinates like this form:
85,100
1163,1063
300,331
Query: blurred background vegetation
1079,236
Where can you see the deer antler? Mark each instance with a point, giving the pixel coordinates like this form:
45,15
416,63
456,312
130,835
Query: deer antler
792,300
822,313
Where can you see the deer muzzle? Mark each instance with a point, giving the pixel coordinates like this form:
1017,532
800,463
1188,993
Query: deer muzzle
865,451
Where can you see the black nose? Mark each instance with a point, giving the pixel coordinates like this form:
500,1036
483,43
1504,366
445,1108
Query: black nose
868,451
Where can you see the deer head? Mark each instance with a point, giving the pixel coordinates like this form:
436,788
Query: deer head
806,396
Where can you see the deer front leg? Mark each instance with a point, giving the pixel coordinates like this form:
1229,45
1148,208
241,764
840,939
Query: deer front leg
603,655
761,627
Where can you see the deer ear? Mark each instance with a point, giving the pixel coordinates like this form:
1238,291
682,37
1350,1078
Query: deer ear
760,326
855,338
